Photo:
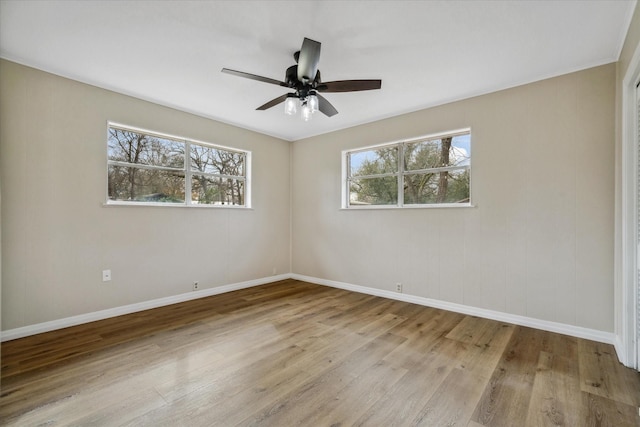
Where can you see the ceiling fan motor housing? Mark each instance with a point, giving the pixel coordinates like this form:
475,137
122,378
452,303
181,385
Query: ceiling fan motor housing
302,89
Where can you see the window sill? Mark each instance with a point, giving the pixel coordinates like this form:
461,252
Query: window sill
172,205
438,206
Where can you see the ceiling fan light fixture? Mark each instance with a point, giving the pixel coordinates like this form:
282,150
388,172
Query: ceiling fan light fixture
291,105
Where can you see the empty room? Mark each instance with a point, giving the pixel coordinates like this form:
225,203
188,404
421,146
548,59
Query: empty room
320,213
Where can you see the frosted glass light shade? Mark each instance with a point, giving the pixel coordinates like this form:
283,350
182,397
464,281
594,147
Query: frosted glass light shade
306,112
313,103
290,106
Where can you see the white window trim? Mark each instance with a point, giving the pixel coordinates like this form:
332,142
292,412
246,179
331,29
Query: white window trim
187,170
345,194
627,251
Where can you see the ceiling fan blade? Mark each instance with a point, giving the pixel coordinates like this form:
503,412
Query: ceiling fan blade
254,77
308,60
273,102
325,106
349,85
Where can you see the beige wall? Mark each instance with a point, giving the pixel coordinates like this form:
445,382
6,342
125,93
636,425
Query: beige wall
539,243
57,236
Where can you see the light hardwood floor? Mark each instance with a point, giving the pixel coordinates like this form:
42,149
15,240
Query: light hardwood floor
293,353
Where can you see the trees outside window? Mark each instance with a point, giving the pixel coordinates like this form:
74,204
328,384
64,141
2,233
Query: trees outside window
426,171
149,168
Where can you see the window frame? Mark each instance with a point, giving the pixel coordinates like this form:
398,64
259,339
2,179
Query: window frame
187,169
400,173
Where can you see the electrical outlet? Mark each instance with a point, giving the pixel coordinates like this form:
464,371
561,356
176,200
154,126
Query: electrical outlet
195,286
106,275
399,287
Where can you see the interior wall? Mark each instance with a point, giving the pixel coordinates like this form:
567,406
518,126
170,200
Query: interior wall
539,241
57,235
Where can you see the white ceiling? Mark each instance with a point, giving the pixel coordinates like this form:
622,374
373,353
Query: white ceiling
426,52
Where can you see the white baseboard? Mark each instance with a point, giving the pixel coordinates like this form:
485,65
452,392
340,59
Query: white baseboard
545,325
617,344
26,331
561,328
625,356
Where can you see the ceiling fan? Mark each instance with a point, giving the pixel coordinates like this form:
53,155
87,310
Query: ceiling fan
305,79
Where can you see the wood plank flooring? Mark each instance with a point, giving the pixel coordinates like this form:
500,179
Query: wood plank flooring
293,353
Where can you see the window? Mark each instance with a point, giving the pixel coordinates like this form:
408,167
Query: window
428,171
154,169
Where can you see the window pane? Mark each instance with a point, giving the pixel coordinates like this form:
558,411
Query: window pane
138,148
374,162
461,150
212,160
216,191
144,185
374,191
440,187
423,155
435,153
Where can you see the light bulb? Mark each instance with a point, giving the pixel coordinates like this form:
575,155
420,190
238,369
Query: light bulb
313,103
290,106
306,112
